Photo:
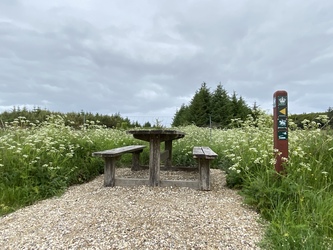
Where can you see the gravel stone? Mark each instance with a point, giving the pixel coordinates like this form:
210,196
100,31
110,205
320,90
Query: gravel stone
90,216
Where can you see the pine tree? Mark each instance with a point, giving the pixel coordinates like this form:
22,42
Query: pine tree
244,109
239,107
217,105
200,106
221,107
181,117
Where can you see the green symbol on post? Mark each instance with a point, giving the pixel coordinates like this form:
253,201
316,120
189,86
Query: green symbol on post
282,101
282,135
282,123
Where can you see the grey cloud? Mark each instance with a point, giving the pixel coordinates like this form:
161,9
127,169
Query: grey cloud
107,57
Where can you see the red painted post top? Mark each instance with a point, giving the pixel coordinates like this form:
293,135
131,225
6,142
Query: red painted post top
280,116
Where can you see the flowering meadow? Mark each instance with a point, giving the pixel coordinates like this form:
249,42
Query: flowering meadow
39,160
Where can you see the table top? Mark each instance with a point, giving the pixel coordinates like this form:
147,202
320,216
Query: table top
162,134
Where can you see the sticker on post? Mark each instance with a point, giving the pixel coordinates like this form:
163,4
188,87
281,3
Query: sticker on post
282,123
282,135
282,101
282,111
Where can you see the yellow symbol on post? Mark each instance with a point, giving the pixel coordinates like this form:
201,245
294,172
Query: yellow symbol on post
283,111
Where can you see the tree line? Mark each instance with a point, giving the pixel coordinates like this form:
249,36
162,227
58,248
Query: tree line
74,119
299,119
206,108
215,108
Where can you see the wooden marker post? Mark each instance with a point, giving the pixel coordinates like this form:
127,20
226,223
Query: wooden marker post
280,116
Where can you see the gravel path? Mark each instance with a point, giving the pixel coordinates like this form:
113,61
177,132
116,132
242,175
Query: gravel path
90,216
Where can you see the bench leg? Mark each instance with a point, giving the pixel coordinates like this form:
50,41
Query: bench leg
109,171
135,161
204,173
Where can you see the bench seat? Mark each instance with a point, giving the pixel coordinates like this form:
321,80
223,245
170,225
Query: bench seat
204,155
112,155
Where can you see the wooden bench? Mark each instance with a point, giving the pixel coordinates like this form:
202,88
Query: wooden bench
204,155
112,155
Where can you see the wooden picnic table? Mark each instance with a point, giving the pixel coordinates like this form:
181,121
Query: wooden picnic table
155,137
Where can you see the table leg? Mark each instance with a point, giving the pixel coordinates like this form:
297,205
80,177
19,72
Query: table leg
135,161
154,160
168,148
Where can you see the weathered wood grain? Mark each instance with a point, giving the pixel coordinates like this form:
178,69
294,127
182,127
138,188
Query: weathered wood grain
154,160
130,182
204,155
111,156
155,137
168,149
109,171
119,151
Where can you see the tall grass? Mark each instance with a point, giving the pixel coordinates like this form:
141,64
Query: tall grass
38,161
41,160
299,204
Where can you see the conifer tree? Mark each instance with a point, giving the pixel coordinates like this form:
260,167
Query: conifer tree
181,117
200,106
217,105
244,109
221,107
239,107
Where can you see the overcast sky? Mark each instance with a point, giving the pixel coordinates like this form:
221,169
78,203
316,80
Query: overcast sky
144,58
